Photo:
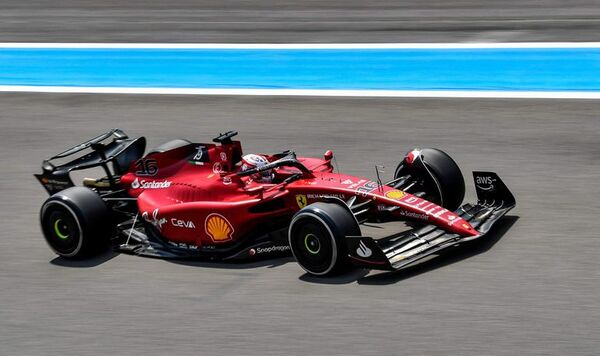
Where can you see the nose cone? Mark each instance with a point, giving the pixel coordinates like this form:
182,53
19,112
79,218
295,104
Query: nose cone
462,227
422,209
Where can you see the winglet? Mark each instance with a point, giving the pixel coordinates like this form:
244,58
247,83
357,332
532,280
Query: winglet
491,190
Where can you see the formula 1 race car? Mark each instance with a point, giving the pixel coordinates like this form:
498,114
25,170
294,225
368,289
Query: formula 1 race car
204,200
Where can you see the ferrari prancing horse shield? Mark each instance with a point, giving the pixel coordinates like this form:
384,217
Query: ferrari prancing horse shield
301,200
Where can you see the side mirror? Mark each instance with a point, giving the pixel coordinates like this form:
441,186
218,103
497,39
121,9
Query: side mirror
97,146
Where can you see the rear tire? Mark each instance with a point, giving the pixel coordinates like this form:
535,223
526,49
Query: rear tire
317,237
76,223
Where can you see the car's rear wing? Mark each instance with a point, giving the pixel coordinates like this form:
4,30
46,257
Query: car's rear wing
494,200
119,152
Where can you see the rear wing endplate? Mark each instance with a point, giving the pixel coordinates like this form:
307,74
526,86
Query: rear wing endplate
120,152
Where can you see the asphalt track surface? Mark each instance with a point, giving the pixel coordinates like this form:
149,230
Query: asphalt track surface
532,287
267,21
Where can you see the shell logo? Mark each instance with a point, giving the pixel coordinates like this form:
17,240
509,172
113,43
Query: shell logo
218,228
394,194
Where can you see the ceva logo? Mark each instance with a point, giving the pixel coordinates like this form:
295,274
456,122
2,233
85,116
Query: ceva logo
188,224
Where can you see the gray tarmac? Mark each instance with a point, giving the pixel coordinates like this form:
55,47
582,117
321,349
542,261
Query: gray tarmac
298,21
532,287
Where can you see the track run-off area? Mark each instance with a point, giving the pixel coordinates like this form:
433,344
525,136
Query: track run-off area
526,70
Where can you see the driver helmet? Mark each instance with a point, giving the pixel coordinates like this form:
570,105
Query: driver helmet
251,161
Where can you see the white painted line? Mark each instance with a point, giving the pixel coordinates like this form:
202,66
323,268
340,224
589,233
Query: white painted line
473,45
311,92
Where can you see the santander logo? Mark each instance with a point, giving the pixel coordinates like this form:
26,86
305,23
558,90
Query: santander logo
135,184
151,184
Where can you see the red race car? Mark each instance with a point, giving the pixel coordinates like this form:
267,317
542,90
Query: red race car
212,202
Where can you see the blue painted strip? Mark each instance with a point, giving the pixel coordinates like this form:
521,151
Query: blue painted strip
522,69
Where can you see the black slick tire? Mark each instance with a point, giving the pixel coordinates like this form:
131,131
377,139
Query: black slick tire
317,236
76,223
447,179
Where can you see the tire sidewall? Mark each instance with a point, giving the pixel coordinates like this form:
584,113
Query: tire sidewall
339,222
75,216
444,171
334,245
447,174
92,217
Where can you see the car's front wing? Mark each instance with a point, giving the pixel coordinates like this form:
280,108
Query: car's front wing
400,250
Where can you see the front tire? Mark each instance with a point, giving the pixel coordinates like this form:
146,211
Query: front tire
76,223
443,181
317,237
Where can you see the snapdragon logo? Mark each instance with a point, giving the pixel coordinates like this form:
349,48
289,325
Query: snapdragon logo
150,184
272,249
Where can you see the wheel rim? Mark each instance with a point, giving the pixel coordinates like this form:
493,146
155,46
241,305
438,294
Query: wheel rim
312,244
61,230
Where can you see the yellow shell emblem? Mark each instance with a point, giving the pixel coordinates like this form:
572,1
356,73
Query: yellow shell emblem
394,194
218,228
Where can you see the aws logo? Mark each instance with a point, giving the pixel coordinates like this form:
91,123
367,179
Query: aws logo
218,228
485,182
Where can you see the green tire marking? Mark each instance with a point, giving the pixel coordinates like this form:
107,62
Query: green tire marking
314,252
57,230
